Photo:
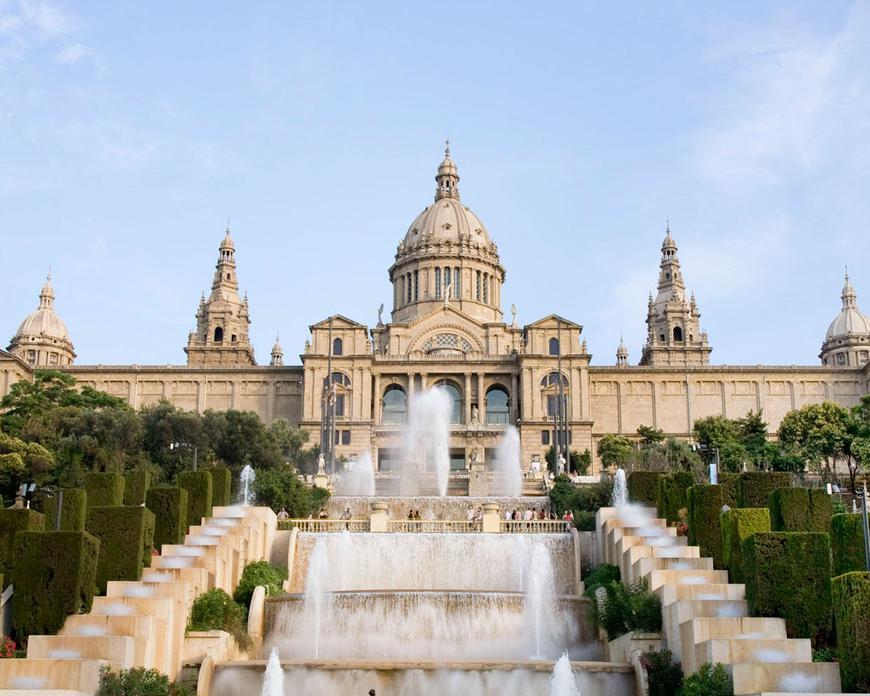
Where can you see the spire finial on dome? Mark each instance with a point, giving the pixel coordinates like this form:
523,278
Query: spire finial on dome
849,296
46,295
447,177
447,148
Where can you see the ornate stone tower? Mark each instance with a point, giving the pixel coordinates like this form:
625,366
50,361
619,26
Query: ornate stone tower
277,359
222,320
621,354
42,339
847,343
674,335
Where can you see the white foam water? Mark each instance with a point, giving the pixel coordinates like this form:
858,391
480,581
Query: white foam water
273,679
138,591
177,561
156,576
90,630
539,601
427,437
190,551
507,464
562,681
620,490
771,655
359,479
117,609
201,540
799,683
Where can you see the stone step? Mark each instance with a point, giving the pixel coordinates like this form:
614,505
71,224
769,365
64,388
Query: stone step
627,542
644,566
657,578
788,677
199,578
119,649
731,650
180,591
700,629
716,591
45,674
149,633
635,553
674,614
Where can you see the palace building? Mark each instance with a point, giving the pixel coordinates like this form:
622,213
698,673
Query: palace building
446,328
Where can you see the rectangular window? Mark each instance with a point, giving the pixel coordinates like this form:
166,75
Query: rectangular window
485,289
416,285
477,286
339,404
31,357
447,288
457,286
437,283
345,437
337,438
553,405
409,287
402,288
545,437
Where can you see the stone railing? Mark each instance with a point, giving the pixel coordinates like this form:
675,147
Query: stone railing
535,526
433,526
306,525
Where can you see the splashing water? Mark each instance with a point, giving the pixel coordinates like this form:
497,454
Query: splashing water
620,489
562,681
539,599
359,479
428,436
315,593
507,463
273,681
247,477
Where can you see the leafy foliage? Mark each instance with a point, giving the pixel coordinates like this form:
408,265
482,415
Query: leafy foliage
705,508
643,486
126,536
709,680
74,510
281,487
199,491
136,485
754,487
602,576
259,573
672,496
578,463
819,433
13,521
847,543
614,451
800,510
221,485
664,676
628,608
215,610
737,525
138,681
564,496
169,506
104,489
851,600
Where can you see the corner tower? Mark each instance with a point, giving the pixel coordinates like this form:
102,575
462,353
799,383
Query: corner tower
42,339
447,257
674,335
222,320
847,343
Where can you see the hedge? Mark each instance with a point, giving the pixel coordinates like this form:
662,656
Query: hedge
54,576
14,520
169,506
851,598
788,574
800,510
104,489
136,485
199,495
737,525
728,481
671,494
643,486
847,543
73,513
126,535
221,485
705,511
754,487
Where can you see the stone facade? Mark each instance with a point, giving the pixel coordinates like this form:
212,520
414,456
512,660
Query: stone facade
447,329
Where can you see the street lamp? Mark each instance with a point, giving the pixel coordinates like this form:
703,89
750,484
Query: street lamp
714,465
186,445
863,493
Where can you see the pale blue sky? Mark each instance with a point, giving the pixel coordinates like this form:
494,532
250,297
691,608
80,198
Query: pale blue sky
130,131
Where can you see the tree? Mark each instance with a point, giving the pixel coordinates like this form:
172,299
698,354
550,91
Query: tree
614,450
857,447
578,462
720,433
819,433
649,435
753,435
164,424
239,438
280,487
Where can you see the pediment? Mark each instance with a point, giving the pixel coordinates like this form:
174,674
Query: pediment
553,321
338,322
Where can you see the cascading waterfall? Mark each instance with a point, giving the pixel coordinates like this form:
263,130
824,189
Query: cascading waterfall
620,489
540,600
428,436
359,479
562,681
247,477
507,462
315,594
273,680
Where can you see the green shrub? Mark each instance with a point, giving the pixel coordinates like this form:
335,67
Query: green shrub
136,485
126,537
221,485
754,487
847,543
104,489
664,676
737,525
709,680
198,487
13,520
705,511
671,494
728,482
564,495
169,506
788,574
643,486
215,610
74,510
259,573
54,576
851,598
138,681
602,576
628,608
584,521
800,510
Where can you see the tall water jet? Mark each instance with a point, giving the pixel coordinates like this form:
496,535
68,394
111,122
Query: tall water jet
428,436
507,462
359,479
620,489
540,598
315,594
247,477
273,681
562,681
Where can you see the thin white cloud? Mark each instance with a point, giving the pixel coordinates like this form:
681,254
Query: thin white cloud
73,53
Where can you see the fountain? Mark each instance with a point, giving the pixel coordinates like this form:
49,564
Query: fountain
315,595
359,478
539,599
247,477
273,680
620,489
562,681
428,436
507,463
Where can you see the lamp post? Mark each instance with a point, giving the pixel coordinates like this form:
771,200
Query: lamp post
187,445
714,465
863,493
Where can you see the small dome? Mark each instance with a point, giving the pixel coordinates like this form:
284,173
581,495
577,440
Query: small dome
449,220
44,321
851,320
227,242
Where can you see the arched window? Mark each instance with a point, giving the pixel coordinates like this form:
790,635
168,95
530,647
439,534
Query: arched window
554,346
218,334
552,379
438,283
341,380
455,400
678,333
337,346
395,411
497,406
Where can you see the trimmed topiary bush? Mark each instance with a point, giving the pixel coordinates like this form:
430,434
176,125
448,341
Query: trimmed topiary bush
259,573
74,511
728,482
851,599
800,510
53,577
671,494
169,505
136,485
126,537
847,543
788,574
12,521
215,610
221,485
737,525
104,489
705,511
199,492
754,487
643,486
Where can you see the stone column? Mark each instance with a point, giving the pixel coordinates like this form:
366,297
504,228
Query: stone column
481,407
424,381
467,398
514,398
378,521
491,518
412,388
376,414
